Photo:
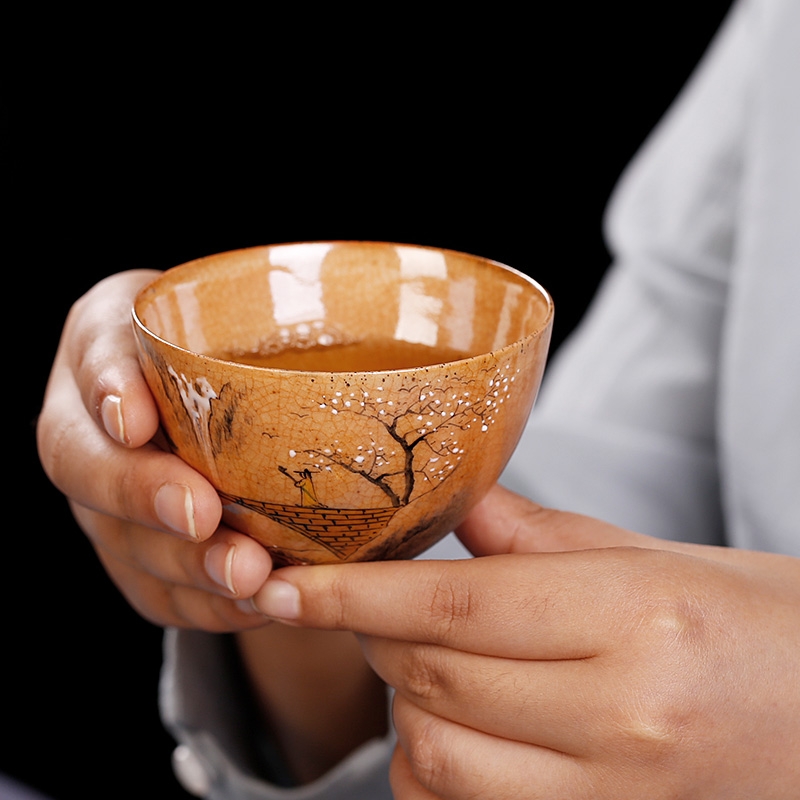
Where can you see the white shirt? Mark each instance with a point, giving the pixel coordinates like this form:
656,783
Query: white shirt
674,410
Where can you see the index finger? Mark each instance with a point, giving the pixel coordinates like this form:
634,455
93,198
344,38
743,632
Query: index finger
99,350
537,606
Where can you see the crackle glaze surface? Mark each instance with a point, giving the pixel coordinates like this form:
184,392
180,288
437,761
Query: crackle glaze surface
337,466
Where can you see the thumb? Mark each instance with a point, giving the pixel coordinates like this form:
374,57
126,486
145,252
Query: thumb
505,522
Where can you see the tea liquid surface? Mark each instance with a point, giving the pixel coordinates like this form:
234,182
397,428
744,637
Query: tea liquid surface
367,356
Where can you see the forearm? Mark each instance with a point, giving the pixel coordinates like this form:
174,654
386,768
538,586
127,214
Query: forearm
317,696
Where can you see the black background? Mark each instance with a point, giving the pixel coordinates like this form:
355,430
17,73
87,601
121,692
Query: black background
507,148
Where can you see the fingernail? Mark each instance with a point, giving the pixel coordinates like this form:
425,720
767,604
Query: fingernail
175,508
278,599
219,565
113,421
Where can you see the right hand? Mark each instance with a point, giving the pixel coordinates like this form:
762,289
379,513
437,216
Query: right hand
153,520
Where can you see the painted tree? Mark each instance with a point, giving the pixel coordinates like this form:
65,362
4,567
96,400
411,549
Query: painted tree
415,444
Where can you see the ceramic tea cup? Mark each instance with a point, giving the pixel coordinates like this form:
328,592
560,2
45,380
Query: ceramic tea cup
348,400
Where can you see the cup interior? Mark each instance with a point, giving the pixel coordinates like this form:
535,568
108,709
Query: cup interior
277,297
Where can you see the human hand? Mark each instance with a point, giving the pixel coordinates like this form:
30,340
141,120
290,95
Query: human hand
576,660
152,519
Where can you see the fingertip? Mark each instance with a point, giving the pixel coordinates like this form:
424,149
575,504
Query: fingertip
175,508
248,566
207,506
480,522
279,600
128,413
219,561
189,508
141,415
496,523
113,418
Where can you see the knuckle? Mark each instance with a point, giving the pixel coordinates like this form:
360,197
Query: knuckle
549,526
449,604
125,490
647,720
145,594
113,538
428,754
193,608
53,443
423,676
676,620
674,635
339,605
655,727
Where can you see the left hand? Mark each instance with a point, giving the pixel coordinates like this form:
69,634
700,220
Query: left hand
576,660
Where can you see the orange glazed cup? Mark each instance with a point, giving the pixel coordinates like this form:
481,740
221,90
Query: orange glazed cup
349,400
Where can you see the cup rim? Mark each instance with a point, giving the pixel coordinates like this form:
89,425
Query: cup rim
544,326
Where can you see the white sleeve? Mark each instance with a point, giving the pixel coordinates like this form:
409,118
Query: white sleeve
204,708
625,426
